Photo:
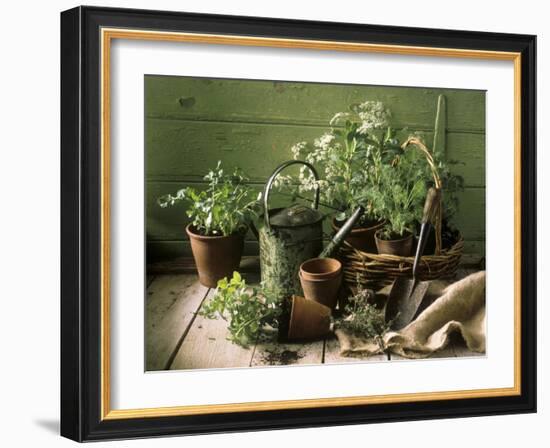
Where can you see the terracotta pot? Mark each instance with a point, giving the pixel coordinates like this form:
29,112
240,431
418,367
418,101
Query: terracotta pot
361,238
319,286
320,268
401,247
308,319
216,257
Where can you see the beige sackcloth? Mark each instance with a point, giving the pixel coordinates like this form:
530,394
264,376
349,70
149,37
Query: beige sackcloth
458,308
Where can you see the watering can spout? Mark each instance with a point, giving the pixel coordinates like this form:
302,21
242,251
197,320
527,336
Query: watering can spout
342,233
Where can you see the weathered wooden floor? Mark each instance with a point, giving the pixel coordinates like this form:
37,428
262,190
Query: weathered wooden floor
177,337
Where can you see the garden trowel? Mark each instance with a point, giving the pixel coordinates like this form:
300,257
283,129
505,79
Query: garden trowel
406,294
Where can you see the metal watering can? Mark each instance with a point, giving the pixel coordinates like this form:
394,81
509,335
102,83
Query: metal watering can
292,235
288,237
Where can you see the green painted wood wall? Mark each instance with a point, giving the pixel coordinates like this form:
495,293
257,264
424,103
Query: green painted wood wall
191,123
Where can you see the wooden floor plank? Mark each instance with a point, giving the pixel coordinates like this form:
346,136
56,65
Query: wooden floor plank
332,354
172,301
275,354
206,346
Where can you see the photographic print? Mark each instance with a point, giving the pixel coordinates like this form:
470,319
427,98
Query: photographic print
300,210
299,223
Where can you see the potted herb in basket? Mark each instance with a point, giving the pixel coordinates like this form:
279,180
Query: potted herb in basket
399,195
220,215
350,156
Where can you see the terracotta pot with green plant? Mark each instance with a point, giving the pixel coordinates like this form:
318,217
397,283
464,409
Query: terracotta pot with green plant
361,237
220,215
398,197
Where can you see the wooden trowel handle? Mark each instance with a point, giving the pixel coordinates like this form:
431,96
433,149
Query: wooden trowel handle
430,206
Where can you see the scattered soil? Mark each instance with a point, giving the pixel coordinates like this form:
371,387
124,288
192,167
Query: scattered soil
278,357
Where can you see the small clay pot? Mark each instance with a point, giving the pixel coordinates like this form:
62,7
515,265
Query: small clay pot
216,257
308,319
320,268
321,279
401,247
361,238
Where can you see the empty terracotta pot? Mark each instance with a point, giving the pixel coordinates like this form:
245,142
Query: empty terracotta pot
216,257
321,279
308,319
320,268
401,247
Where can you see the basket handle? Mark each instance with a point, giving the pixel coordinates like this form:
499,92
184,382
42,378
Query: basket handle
438,213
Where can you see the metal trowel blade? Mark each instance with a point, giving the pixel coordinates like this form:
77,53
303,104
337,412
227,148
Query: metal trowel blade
404,301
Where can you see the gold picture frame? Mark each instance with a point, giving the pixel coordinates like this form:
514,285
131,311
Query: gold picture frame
108,32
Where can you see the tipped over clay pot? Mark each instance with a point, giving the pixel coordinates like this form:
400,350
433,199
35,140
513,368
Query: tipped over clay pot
308,319
321,279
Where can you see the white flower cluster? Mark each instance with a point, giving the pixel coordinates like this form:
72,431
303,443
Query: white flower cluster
343,156
282,181
297,149
339,116
324,141
373,115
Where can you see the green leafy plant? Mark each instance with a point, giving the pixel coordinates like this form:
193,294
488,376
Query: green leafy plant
363,319
452,185
361,162
399,193
226,205
349,157
249,310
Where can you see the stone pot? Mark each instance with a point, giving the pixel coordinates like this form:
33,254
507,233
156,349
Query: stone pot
308,319
361,238
400,247
216,257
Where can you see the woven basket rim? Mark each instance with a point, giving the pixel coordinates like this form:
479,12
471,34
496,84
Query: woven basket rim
445,253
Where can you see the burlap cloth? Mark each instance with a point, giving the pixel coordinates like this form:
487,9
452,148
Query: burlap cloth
457,308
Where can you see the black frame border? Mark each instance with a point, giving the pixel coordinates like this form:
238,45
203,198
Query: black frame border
81,223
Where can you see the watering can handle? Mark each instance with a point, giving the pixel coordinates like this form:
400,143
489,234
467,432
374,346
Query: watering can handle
272,178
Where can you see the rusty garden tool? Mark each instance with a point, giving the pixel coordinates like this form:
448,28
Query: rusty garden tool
406,294
337,239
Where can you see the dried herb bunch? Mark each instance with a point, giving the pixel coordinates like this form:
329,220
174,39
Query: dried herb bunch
363,319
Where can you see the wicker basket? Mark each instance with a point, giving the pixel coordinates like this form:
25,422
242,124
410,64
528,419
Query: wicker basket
375,270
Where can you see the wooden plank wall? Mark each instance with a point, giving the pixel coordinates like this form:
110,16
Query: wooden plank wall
191,123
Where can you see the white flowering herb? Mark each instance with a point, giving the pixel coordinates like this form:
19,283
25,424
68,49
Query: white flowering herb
348,157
